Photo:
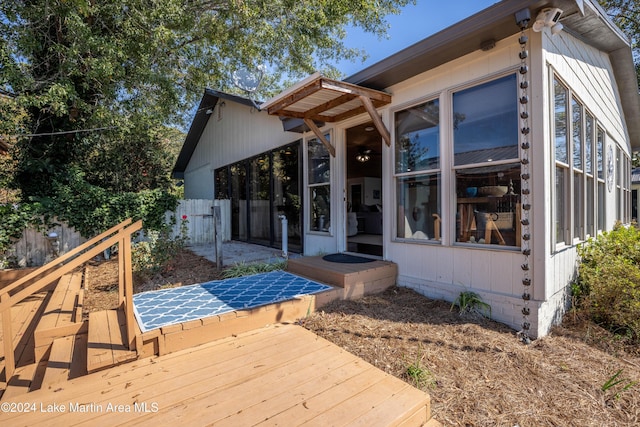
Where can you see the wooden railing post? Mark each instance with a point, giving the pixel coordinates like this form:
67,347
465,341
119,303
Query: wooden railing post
7,338
121,268
128,290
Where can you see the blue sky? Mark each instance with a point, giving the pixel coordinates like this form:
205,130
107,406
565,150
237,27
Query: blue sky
416,22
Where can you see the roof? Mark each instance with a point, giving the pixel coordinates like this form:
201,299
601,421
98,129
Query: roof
583,19
207,104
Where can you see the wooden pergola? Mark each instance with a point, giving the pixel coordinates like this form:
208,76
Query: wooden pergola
321,99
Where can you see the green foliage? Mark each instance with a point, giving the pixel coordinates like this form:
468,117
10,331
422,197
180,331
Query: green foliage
418,374
245,269
615,380
91,209
469,302
130,68
14,219
153,254
608,284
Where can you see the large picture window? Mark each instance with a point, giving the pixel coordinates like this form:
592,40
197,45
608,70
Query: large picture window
319,178
486,163
417,167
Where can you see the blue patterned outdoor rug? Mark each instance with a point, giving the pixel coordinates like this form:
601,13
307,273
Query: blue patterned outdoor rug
165,307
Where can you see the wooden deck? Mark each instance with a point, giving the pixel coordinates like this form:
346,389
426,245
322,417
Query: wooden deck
356,280
279,375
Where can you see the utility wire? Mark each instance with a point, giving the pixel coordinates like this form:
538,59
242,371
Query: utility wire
66,132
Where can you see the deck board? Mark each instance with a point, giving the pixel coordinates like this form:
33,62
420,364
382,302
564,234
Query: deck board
281,372
357,279
106,340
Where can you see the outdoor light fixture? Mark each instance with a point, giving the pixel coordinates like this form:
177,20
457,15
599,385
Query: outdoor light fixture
54,241
548,17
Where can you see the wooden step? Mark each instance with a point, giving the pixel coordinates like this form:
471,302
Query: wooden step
59,363
21,381
60,317
106,344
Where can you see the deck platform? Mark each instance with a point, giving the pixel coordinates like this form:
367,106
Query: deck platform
244,380
356,280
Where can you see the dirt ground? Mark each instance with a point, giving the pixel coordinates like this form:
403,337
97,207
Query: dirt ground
476,371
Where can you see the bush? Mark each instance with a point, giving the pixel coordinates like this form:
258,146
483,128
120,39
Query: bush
153,255
608,283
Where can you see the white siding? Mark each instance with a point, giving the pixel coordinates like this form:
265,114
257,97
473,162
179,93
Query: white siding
235,132
443,271
589,74
198,183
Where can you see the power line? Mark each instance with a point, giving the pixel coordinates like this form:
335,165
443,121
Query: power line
66,132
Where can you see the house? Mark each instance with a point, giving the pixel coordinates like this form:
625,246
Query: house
476,159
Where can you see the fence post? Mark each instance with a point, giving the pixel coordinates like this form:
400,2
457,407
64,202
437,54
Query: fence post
217,230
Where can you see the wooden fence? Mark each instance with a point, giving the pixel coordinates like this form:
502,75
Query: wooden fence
35,249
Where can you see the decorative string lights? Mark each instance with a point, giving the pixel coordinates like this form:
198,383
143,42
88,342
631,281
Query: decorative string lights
522,19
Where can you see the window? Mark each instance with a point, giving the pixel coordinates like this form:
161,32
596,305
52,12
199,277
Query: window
601,185
417,167
560,99
262,188
319,170
578,169
259,199
486,163
222,183
590,189
239,211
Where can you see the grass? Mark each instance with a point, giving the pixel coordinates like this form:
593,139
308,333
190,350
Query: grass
614,381
470,302
245,269
418,374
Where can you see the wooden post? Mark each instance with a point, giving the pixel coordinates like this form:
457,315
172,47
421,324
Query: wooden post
128,291
217,230
121,271
7,337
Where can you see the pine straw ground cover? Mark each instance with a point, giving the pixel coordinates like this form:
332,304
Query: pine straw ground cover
476,371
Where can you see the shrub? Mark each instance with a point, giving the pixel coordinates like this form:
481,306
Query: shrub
154,254
608,283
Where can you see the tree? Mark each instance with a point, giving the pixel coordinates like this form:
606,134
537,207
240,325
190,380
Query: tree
124,68
626,14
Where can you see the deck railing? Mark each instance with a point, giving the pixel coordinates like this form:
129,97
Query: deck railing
49,273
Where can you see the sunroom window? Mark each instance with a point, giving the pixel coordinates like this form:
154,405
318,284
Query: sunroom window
319,179
486,163
417,168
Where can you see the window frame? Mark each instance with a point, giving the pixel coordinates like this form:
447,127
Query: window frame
455,168
418,174
310,186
